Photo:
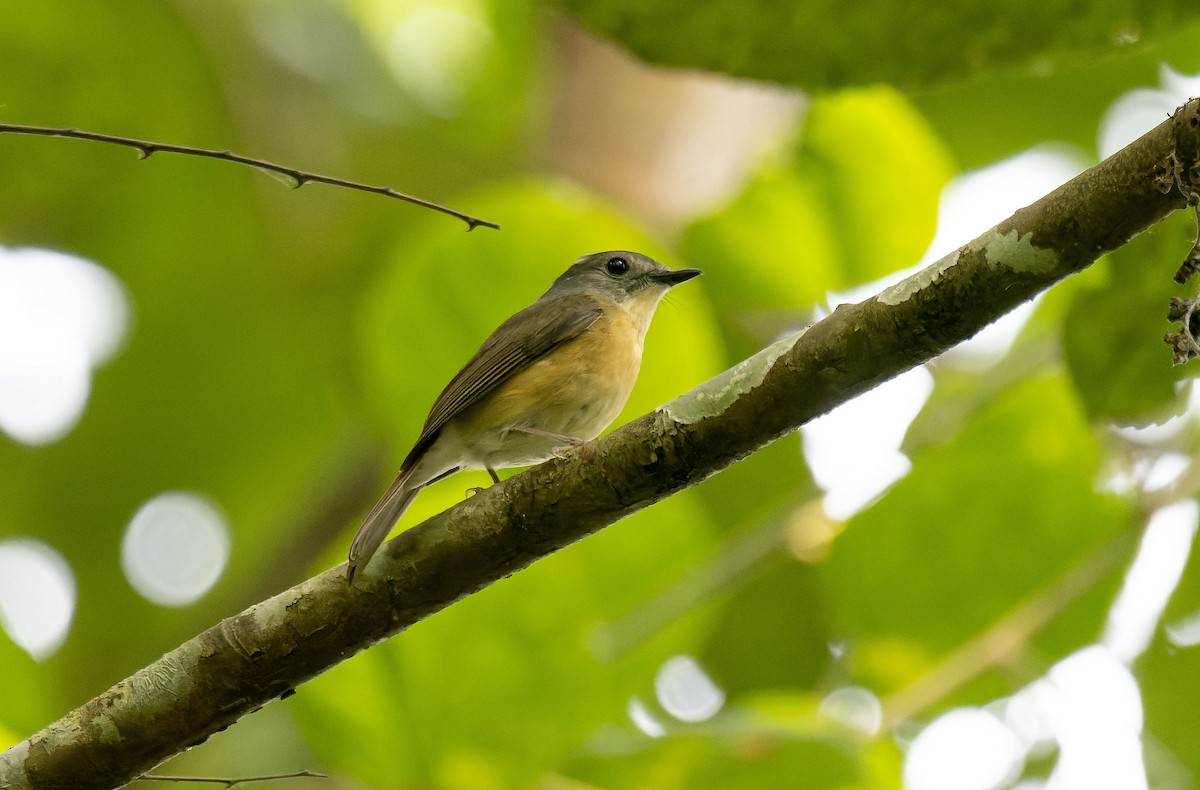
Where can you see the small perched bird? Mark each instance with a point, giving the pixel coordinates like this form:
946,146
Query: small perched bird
553,376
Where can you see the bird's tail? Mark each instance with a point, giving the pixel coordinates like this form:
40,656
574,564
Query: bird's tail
379,522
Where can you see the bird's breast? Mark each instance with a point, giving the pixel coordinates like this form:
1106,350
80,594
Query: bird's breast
577,389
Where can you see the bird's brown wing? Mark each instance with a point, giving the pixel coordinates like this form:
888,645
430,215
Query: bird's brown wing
515,344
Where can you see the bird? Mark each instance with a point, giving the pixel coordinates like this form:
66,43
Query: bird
551,377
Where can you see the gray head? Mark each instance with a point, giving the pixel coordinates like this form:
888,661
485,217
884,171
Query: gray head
619,274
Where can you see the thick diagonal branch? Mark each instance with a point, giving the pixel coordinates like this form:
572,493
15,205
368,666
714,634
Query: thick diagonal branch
266,651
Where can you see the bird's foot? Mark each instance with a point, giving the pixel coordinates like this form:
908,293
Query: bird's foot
569,443
562,452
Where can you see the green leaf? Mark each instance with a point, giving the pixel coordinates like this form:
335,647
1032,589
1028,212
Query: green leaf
772,633
1169,676
1112,333
982,521
823,45
30,702
882,169
857,200
746,762
980,122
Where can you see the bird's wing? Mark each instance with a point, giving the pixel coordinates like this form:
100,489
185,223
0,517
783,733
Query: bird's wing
514,345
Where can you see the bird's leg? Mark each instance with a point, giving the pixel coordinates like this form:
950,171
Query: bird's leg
571,441
568,442
478,489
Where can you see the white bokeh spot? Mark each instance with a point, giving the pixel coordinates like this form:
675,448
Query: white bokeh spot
37,596
60,318
685,690
643,719
175,548
964,749
853,707
1140,110
854,451
1093,706
1153,576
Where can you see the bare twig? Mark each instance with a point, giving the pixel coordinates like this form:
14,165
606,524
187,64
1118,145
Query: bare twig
216,780
297,178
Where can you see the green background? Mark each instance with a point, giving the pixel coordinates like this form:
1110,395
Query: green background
285,346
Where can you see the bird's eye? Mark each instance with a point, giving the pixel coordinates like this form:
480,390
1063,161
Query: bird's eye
617,266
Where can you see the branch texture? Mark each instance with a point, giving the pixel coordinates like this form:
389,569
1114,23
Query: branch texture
296,178
266,651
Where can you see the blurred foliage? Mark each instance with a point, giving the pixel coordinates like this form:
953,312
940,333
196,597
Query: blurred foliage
276,334
829,45
818,213
1107,325
948,512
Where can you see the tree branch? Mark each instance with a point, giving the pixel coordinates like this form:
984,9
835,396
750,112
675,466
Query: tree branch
266,651
296,178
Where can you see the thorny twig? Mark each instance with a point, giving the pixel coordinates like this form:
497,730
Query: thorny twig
296,178
230,782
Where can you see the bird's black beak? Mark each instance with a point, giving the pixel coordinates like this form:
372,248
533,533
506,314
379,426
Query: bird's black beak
672,277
